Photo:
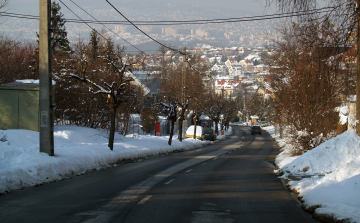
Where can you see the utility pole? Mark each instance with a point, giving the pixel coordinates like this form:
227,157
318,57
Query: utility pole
45,97
358,66
183,85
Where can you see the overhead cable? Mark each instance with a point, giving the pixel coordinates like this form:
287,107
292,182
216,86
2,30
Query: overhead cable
143,31
82,20
185,22
107,27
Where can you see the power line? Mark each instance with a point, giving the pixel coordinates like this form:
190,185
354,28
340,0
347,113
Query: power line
143,31
183,54
185,22
82,19
107,27
188,22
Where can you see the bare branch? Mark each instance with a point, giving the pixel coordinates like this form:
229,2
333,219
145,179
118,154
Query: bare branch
101,89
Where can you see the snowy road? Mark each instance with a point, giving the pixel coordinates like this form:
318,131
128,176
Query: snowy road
229,181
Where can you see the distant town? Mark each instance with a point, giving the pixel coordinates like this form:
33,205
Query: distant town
232,71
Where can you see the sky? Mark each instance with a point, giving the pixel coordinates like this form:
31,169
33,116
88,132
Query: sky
253,7
135,10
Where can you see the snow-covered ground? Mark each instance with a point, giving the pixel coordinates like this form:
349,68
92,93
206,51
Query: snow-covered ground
78,150
327,178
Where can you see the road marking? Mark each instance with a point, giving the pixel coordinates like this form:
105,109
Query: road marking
106,212
215,158
203,164
145,199
169,182
188,171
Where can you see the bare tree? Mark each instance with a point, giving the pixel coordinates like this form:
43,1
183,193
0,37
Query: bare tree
260,106
18,60
341,14
229,112
171,113
168,97
214,107
100,65
192,91
3,4
114,93
173,91
148,118
308,82
75,104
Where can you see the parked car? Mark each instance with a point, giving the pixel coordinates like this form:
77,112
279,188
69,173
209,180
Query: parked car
256,129
209,134
199,132
264,123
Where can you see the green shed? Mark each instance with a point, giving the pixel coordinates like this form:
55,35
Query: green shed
19,105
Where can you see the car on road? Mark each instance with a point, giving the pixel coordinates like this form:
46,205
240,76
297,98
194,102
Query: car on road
209,134
264,123
256,129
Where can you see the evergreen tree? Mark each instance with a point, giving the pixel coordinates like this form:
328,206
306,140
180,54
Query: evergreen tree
94,44
109,49
224,59
59,41
239,57
256,62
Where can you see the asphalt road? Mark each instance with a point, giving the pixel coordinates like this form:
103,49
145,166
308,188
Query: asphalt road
228,181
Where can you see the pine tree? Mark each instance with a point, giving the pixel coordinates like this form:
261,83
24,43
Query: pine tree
59,41
94,43
109,49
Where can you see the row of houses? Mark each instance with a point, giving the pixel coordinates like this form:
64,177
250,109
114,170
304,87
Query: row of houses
222,77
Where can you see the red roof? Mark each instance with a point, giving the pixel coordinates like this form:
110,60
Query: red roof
221,82
201,60
236,83
233,60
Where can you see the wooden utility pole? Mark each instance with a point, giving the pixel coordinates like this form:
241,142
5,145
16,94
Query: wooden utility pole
358,66
45,97
183,90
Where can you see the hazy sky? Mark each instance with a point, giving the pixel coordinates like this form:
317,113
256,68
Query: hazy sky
252,7
135,10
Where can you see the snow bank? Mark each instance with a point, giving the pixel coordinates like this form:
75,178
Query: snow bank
32,81
338,157
327,177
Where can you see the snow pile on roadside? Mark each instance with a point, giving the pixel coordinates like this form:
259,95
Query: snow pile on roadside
241,123
328,176
77,150
338,157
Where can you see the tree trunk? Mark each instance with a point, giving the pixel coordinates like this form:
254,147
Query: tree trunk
195,125
358,74
216,127
112,128
181,120
171,131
